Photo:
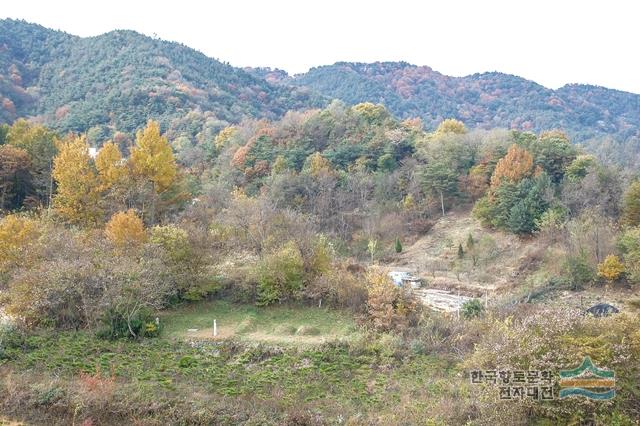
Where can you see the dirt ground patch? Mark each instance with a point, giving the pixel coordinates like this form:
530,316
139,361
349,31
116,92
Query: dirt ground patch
501,259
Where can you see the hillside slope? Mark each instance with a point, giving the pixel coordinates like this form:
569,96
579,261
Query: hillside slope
502,260
484,100
120,79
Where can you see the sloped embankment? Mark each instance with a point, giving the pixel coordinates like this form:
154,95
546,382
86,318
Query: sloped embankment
495,262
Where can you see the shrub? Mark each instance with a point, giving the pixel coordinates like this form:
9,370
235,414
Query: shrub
611,268
579,271
398,246
116,326
80,279
280,275
389,307
307,330
338,287
286,329
472,308
16,233
187,264
12,340
561,338
125,229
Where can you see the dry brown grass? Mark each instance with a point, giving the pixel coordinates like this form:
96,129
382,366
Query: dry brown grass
431,257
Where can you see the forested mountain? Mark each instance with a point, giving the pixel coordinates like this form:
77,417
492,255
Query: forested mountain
484,100
118,80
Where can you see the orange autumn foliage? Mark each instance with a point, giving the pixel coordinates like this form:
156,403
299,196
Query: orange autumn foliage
514,166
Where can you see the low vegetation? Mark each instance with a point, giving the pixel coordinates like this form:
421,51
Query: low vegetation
113,268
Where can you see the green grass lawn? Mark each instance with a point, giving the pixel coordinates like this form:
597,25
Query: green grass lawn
287,325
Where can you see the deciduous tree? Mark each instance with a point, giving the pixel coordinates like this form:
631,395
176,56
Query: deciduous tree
39,143
152,161
451,125
78,189
15,177
125,229
513,167
631,205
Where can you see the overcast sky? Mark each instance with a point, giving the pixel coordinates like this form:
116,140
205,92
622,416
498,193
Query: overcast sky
553,42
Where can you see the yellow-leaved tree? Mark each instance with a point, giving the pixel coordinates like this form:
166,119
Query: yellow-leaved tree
224,137
152,161
16,233
451,125
611,268
125,229
317,165
113,174
110,166
78,188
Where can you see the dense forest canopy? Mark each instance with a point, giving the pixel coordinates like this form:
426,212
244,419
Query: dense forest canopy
484,100
114,82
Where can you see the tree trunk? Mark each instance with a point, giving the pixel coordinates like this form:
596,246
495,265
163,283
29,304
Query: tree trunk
4,190
153,203
442,202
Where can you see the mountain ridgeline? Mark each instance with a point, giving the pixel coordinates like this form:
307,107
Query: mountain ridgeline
484,100
116,81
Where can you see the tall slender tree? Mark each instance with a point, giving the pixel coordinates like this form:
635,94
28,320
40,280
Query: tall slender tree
152,161
78,189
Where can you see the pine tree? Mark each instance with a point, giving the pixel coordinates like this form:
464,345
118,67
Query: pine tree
472,250
460,251
398,246
439,178
470,242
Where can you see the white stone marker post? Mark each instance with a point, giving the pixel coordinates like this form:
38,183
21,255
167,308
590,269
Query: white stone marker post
215,328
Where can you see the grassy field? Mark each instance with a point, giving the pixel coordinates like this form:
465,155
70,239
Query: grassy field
74,377
354,377
283,325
